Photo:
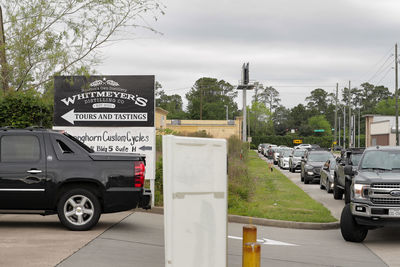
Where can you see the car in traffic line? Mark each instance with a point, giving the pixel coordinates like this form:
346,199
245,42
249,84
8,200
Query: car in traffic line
327,175
284,158
295,159
375,193
311,164
48,172
276,155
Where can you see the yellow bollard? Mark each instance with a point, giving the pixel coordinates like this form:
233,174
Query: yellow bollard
249,236
251,255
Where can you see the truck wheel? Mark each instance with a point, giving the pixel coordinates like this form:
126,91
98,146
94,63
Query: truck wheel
351,230
347,192
337,192
306,181
329,189
321,186
79,209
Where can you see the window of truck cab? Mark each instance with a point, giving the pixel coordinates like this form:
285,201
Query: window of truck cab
19,148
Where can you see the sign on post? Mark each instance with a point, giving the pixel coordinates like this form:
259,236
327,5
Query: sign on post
108,114
195,201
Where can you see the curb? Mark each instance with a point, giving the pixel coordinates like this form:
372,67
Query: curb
268,222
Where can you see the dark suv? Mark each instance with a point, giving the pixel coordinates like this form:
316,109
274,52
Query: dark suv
311,164
375,193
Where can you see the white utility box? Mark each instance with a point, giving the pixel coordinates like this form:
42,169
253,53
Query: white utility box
195,201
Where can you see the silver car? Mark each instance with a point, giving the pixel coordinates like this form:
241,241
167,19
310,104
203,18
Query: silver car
284,158
295,159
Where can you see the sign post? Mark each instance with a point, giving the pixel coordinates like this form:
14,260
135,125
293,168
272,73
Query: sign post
109,114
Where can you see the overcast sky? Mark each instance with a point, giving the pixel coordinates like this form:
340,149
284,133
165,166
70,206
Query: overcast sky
292,45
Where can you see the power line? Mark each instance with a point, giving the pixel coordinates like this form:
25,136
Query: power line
380,60
380,70
390,68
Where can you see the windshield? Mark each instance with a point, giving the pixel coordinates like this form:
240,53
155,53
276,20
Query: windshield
88,149
298,153
355,159
381,160
320,157
286,152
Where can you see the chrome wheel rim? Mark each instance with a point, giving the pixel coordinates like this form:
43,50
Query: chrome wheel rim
78,210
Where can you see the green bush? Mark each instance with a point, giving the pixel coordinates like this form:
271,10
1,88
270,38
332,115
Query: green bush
23,109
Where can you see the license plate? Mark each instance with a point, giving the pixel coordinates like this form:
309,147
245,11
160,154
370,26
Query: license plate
394,212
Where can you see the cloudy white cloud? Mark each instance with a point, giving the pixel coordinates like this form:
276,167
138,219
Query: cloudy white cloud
294,45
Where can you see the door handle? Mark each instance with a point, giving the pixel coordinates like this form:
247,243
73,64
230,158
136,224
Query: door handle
34,171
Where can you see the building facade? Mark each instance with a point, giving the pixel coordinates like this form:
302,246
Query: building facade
380,130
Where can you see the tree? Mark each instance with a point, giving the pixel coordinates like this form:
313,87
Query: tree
320,122
317,100
44,38
270,97
386,107
208,97
281,120
260,120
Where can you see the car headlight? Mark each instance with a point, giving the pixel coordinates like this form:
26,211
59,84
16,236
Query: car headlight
310,173
360,191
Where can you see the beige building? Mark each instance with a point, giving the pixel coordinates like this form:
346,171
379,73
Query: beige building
216,128
380,130
160,118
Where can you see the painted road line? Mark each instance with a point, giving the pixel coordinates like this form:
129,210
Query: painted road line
266,241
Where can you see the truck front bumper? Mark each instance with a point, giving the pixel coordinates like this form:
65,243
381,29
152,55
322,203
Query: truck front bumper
126,198
375,216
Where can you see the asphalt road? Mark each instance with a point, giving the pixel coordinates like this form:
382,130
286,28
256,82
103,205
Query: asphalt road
137,239
384,242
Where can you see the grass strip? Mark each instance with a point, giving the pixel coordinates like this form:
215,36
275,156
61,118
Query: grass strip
258,192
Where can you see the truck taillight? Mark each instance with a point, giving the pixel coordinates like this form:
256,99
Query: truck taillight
139,173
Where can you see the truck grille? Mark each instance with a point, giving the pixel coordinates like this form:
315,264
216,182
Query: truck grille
379,193
386,201
385,185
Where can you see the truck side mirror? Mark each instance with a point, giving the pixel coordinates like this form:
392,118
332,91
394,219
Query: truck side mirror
348,170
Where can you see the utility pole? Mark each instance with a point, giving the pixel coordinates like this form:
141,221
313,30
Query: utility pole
339,132
3,60
359,125
350,119
245,86
396,93
201,103
344,127
336,107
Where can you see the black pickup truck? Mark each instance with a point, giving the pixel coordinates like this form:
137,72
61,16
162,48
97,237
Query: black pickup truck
375,193
49,172
341,181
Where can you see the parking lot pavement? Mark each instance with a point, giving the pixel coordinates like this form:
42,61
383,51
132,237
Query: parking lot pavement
34,240
138,240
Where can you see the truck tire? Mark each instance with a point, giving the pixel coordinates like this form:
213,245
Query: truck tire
347,192
329,189
337,192
351,231
79,209
321,186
